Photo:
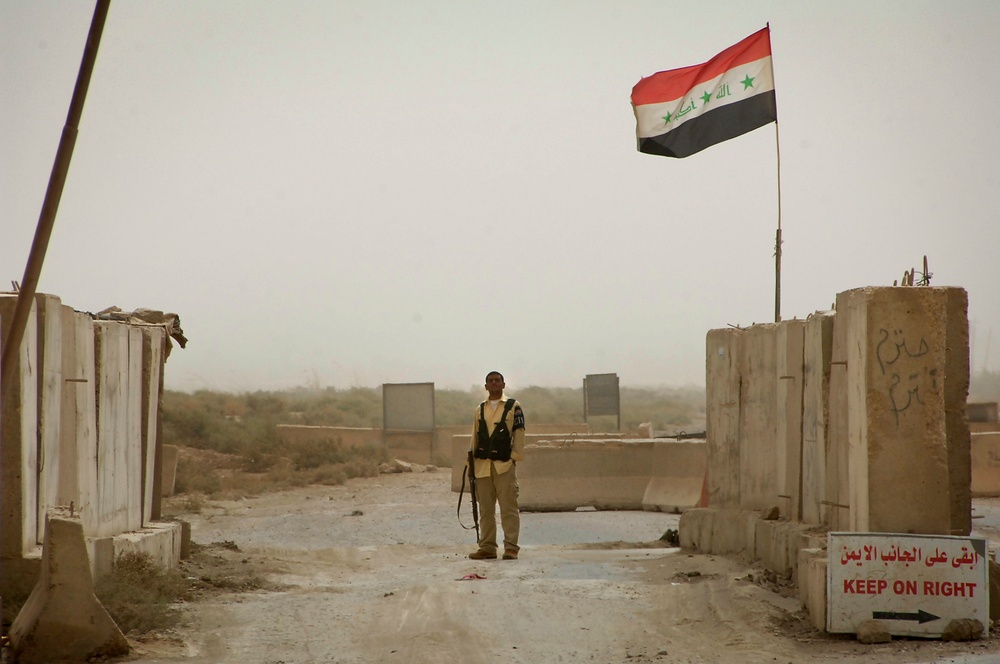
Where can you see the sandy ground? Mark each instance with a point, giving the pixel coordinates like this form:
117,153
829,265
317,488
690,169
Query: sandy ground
376,571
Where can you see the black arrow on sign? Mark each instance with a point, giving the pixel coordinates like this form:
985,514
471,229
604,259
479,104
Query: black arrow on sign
920,616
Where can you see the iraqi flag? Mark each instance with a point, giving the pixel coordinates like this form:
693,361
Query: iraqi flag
683,111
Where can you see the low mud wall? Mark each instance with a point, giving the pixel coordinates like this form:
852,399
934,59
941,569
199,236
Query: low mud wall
423,447
412,446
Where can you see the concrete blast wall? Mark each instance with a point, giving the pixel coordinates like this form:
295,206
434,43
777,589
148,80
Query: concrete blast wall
853,420
462,442
79,433
908,381
821,418
563,473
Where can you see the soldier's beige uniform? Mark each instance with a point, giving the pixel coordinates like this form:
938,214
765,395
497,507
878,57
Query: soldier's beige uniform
496,482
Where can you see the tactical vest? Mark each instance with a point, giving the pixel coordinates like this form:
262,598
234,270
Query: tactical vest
495,447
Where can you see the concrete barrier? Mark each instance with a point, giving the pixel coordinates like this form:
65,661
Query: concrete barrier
609,474
562,473
812,585
461,442
63,621
162,540
774,542
677,476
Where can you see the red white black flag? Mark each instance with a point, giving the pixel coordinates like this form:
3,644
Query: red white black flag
683,111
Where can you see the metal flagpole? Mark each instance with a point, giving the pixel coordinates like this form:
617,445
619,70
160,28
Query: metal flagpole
777,235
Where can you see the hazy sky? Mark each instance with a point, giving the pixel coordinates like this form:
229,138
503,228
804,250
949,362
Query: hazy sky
353,192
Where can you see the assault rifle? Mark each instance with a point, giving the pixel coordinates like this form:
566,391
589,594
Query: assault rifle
471,473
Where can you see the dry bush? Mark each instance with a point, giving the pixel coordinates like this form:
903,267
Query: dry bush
330,474
139,594
195,476
257,462
306,454
202,473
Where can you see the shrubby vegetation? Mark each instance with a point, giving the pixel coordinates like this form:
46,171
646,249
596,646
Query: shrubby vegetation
242,427
141,596
239,430
244,424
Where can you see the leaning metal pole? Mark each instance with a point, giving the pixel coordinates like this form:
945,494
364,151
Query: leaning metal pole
53,194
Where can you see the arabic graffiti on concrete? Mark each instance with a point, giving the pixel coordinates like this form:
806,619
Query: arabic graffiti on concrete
910,374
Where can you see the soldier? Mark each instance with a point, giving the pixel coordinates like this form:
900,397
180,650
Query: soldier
497,446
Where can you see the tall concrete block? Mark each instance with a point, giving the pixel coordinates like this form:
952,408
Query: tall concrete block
817,346
133,429
19,443
79,416
49,372
723,348
956,421
758,418
907,364
836,515
69,480
111,356
152,452
789,349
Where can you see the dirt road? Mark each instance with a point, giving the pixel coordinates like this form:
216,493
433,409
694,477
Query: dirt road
376,571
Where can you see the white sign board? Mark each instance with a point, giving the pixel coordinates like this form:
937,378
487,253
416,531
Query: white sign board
915,584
